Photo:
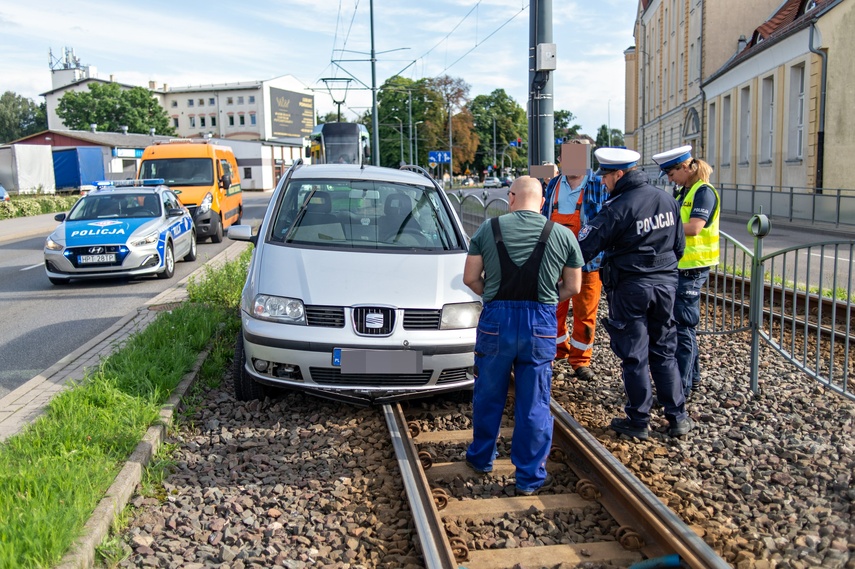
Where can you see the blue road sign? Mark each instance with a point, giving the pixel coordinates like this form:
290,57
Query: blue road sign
439,156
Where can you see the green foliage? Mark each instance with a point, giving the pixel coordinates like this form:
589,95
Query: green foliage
20,117
221,286
510,125
36,204
110,107
603,138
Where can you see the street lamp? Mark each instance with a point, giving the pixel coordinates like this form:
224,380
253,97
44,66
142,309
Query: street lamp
416,139
401,132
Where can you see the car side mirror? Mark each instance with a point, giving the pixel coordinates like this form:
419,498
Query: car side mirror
59,217
226,181
174,212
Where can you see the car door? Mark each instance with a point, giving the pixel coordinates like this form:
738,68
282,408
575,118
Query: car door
179,227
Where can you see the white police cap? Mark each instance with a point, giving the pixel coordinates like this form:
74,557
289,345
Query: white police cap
611,159
672,157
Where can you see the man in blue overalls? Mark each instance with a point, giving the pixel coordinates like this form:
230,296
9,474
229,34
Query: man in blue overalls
640,231
521,264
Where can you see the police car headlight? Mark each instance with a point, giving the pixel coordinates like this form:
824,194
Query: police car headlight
147,240
52,245
457,316
205,206
279,309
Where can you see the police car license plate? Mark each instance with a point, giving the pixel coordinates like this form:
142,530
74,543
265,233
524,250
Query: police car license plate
94,259
377,361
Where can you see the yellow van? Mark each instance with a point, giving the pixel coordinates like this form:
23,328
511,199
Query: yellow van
205,177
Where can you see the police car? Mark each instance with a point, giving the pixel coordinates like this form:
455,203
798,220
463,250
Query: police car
121,229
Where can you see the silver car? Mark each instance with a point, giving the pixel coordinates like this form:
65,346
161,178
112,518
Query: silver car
355,289
120,232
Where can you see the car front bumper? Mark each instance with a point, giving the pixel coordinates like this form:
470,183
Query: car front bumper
130,261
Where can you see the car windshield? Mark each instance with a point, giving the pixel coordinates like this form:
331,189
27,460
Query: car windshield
112,206
344,214
180,171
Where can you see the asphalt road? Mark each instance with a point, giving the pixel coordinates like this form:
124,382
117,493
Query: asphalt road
41,323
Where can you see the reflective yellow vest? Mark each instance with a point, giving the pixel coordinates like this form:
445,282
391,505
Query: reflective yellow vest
701,249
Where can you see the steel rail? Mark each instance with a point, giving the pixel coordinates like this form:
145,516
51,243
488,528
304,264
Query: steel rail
630,501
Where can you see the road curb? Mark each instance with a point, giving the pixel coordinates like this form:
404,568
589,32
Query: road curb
82,553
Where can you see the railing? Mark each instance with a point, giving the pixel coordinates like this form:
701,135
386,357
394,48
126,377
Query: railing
799,300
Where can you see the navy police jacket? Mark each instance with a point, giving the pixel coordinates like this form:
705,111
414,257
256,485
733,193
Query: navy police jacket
640,230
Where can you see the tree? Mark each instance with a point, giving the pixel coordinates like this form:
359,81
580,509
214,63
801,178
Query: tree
510,123
454,93
603,138
20,117
110,107
331,116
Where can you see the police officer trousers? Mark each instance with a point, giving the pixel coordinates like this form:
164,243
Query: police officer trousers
516,334
644,336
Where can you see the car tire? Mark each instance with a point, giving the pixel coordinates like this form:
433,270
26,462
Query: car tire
217,236
168,262
191,256
59,282
246,388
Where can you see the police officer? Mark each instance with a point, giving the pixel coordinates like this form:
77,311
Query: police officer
521,264
573,198
640,231
699,213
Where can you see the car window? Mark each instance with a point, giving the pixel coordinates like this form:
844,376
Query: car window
113,206
180,171
345,214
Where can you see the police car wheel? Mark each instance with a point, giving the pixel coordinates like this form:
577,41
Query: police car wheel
217,236
246,388
57,281
191,255
168,262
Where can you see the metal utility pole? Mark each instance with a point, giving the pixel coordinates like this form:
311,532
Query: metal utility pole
410,122
375,125
542,56
450,152
494,142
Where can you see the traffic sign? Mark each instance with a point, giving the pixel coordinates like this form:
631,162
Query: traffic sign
439,156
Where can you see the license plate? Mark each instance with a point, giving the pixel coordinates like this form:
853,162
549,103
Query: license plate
94,259
377,361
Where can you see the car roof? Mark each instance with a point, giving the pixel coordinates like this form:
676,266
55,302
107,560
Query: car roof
357,172
135,190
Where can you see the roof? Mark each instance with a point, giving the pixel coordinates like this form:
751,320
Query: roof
83,81
113,139
245,85
791,17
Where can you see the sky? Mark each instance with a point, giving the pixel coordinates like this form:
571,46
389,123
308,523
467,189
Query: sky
191,43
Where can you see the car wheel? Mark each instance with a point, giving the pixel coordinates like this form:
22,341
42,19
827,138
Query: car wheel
246,388
168,262
57,281
191,256
217,237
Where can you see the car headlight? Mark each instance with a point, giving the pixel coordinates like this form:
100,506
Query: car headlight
457,316
53,245
147,240
279,309
205,206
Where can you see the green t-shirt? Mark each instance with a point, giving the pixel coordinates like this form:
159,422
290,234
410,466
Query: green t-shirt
520,232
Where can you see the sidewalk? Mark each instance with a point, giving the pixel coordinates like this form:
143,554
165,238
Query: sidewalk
23,405
23,227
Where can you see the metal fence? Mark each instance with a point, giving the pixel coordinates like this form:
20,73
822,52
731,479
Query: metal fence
799,300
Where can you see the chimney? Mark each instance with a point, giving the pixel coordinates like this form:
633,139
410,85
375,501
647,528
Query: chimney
165,87
124,129
741,43
111,77
152,85
151,131
93,127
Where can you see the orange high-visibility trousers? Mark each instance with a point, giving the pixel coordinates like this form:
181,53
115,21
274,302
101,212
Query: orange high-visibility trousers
578,345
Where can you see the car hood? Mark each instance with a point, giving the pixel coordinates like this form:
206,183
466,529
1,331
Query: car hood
347,278
103,231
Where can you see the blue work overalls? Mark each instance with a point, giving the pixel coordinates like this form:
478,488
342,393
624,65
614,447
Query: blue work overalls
515,331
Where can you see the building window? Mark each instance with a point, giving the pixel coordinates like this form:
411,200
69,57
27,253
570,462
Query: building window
240,100
190,102
192,122
230,100
767,120
201,102
231,120
252,99
241,119
175,122
174,103
745,125
252,119
213,120
202,122
725,130
211,101
712,130
796,117
247,173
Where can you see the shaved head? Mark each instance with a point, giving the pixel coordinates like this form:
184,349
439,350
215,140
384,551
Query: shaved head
527,194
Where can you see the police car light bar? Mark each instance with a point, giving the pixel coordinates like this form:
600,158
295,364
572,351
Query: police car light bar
129,183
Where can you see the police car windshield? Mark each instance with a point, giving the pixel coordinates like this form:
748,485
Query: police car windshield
115,206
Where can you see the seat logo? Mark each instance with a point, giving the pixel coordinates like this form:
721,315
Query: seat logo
374,321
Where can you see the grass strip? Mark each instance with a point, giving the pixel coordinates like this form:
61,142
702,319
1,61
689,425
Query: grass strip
54,473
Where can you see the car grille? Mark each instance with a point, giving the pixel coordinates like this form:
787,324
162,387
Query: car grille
373,320
325,316
333,376
452,376
422,319
121,252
